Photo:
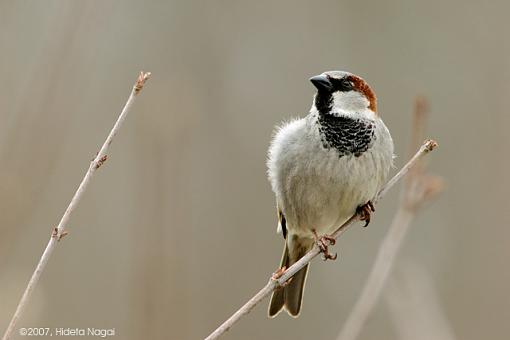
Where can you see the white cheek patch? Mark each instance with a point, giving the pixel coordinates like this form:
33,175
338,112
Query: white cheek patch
351,103
351,100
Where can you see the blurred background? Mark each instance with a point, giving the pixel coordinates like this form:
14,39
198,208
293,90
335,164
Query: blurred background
178,229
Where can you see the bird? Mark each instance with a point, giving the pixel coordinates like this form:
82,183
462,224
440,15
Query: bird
324,168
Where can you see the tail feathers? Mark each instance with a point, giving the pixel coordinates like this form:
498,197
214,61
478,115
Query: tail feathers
290,297
277,302
293,293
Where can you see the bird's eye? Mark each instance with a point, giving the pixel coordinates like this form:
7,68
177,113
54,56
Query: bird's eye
346,85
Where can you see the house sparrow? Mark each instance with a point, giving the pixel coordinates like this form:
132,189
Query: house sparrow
323,168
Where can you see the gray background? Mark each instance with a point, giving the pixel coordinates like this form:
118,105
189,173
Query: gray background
178,228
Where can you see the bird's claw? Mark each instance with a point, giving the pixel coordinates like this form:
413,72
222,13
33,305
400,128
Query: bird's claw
365,211
278,274
323,242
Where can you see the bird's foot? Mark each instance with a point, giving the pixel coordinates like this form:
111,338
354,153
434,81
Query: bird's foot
365,211
277,274
324,242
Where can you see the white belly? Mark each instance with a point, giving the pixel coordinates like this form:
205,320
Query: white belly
317,189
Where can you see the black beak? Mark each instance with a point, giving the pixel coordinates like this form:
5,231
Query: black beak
322,83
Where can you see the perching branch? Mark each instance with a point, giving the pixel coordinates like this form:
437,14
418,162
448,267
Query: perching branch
417,190
273,283
60,231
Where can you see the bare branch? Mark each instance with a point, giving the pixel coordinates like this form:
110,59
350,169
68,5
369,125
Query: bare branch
417,190
427,146
60,231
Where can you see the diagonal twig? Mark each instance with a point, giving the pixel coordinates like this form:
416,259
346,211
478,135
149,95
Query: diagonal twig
427,146
60,230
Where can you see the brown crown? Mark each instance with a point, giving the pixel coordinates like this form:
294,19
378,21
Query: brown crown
361,86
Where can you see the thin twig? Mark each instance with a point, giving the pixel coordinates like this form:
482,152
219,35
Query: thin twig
417,190
427,146
60,231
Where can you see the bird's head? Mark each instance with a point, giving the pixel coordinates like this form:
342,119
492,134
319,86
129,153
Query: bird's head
343,93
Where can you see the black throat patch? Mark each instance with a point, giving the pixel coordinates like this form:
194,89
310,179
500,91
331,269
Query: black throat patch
349,136
323,101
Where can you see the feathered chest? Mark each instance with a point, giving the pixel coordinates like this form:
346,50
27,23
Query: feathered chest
349,136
